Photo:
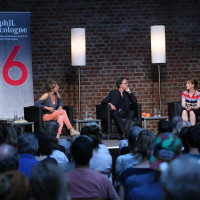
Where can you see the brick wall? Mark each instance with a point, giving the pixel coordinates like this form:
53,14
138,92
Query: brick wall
118,44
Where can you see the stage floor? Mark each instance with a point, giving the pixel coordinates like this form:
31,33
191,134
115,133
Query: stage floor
111,143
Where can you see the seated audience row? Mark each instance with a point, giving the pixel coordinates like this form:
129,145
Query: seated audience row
37,163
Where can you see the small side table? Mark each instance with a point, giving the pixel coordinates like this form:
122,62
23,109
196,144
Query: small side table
24,124
153,118
80,121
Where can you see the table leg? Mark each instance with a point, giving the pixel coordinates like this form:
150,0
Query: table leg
77,126
32,128
145,124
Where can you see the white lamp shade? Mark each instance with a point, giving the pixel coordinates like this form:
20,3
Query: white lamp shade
158,50
78,49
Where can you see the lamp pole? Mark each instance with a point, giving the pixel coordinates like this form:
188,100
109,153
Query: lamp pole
159,89
79,92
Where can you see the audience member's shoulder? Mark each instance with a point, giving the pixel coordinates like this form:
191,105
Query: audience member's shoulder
125,156
103,149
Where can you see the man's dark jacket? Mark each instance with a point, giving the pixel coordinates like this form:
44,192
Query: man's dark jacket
113,97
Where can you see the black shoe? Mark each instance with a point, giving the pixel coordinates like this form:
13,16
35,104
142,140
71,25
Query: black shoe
124,135
121,136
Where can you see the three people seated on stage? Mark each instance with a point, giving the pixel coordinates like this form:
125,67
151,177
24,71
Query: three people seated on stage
191,101
53,107
119,101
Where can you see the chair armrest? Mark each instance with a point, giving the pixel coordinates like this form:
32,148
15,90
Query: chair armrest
69,110
138,114
34,114
174,108
103,113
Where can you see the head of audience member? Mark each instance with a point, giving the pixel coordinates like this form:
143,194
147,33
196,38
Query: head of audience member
27,143
166,147
190,137
48,182
44,146
81,150
9,158
144,142
51,137
181,180
175,120
182,124
164,126
14,185
52,127
8,134
93,131
132,136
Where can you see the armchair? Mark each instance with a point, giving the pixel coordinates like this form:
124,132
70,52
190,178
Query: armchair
175,108
107,123
34,114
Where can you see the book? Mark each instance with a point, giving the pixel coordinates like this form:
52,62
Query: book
190,104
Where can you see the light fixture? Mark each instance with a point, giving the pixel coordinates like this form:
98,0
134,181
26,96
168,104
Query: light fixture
78,55
158,52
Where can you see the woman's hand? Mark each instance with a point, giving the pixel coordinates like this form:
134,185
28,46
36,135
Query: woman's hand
188,108
60,108
49,108
112,106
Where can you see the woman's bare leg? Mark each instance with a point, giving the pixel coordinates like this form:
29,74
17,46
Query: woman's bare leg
192,118
185,115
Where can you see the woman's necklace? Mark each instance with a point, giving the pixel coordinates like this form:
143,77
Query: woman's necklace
191,93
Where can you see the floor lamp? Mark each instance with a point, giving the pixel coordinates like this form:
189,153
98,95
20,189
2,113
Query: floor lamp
158,52
78,55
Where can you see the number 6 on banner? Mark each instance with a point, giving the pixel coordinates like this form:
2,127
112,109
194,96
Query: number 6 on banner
11,63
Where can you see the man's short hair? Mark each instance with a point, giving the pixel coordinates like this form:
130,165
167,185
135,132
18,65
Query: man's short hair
81,149
9,158
27,143
181,181
93,131
164,126
52,126
119,81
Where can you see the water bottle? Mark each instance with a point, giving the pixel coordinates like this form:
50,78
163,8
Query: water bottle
86,113
155,113
15,116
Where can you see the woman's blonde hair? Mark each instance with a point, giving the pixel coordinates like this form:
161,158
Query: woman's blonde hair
51,84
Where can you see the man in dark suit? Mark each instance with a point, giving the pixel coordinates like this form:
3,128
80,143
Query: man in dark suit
119,101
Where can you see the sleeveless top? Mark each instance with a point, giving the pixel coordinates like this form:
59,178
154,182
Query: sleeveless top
47,102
